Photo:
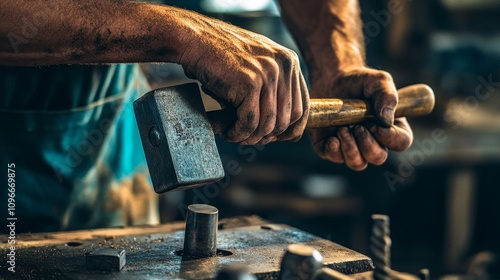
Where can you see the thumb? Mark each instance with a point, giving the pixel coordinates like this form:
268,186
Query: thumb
384,95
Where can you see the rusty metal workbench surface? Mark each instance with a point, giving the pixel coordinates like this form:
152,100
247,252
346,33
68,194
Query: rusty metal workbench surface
152,252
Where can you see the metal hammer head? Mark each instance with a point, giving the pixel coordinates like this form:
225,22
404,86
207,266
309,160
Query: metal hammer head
177,138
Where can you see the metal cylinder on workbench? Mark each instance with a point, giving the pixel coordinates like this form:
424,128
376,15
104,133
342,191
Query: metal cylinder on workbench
300,262
234,272
200,239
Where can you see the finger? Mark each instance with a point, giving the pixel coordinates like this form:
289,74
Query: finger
300,110
369,148
350,151
332,150
284,104
327,147
247,122
318,137
267,118
266,140
397,137
223,103
381,89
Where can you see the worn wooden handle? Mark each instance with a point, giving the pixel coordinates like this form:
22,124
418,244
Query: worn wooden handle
415,100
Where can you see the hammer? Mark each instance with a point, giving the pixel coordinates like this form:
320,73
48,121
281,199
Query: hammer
178,135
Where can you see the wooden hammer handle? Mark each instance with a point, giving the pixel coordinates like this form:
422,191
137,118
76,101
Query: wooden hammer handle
415,100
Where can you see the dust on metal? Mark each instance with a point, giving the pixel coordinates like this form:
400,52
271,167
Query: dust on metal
152,254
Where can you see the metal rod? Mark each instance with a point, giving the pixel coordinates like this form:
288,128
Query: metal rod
300,262
380,247
200,239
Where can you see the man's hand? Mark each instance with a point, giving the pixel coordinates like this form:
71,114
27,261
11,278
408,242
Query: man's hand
364,143
329,34
258,77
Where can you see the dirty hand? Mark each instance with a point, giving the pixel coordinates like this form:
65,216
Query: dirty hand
367,142
259,78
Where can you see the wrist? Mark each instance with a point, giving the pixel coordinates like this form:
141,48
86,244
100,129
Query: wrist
332,57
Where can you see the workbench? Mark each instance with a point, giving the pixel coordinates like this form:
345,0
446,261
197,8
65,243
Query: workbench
154,252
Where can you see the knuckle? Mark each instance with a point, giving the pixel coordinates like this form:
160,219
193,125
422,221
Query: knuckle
268,124
294,55
250,122
250,82
288,60
268,63
271,72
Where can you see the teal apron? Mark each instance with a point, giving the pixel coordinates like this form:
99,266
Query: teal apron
72,135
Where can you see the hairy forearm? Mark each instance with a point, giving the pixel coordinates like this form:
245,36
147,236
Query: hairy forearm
328,33
41,32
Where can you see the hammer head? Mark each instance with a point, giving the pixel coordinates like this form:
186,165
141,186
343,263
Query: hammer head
177,138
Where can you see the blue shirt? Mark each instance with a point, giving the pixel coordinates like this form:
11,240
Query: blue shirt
72,135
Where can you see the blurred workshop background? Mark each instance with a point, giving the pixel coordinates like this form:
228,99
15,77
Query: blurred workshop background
442,195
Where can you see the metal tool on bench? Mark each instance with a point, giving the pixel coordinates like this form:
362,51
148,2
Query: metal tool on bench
303,262
200,237
178,135
300,262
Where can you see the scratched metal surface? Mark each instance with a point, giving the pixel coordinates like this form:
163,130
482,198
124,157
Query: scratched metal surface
152,256
185,154
189,134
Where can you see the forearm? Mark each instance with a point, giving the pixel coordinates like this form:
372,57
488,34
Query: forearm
328,33
96,31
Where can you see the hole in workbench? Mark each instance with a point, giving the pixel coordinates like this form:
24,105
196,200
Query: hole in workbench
73,244
220,253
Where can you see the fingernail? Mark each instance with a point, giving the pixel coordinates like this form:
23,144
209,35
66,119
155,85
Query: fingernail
388,116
